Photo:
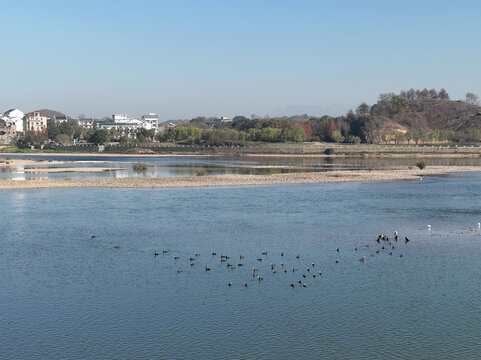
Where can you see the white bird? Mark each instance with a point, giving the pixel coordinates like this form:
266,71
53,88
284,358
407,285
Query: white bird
429,227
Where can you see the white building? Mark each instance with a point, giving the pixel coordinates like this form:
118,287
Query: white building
225,119
87,123
14,117
123,122
152,119
119,117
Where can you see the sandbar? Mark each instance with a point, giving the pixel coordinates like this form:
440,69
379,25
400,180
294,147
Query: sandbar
401,173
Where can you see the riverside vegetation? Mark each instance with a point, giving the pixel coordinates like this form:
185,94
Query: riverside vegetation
412,116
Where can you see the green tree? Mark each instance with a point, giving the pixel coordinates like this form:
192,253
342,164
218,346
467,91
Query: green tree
336,136
100,137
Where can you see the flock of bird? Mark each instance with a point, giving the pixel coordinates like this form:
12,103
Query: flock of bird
259,271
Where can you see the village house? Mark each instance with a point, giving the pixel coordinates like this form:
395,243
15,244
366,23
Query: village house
87,123
14,117
35,121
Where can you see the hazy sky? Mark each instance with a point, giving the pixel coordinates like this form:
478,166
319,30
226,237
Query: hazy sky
187,58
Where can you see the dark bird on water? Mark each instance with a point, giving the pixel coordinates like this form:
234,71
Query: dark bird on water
246,285
213,253
259,259
337,261
292,285
264,253
156,253
176,258
164,251
207,268
297,257
337,249
406,240
92,236
230,284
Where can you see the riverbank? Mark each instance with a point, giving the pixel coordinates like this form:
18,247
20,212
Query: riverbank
242,180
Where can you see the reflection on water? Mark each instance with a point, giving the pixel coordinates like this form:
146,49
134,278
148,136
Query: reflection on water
164,166
66,295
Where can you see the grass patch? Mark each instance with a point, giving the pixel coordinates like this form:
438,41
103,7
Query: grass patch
421,165
140,167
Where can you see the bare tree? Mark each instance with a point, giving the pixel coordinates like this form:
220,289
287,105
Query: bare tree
472,98
443,95
362,109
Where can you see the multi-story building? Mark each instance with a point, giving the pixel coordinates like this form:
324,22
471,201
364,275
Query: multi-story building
152,119
35,121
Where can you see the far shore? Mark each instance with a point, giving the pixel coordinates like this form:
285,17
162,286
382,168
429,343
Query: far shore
247,154
402,173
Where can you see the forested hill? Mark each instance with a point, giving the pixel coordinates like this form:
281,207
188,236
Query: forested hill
396,115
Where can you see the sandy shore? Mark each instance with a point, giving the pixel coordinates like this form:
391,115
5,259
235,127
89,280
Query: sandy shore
31,166
242,180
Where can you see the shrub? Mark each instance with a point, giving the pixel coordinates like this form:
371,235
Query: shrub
201,173
421,165
140,167
329,151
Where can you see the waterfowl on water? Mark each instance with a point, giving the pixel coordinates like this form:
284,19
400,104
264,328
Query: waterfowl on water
176,257
230,284
297,257
164,251
264,253
196,254
213,253
207,268
406,240
156,253
304,285
362,259
92,236
282,253
337,261
246,285
292,285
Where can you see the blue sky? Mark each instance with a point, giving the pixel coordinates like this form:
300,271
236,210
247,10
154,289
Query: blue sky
187,58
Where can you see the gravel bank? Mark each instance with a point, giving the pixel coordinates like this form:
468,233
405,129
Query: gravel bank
242,180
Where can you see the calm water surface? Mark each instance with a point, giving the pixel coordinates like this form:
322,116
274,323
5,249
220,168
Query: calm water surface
174,166
65,295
